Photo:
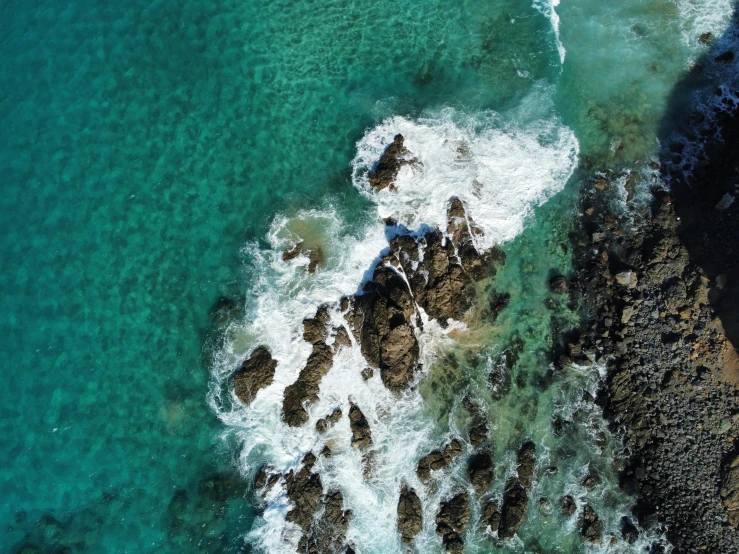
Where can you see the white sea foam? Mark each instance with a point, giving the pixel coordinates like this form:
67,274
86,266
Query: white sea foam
703,16
547,8
500,172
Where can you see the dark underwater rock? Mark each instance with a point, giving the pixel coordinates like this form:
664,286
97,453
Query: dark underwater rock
256,373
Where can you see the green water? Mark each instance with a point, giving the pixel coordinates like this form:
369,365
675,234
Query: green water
144,143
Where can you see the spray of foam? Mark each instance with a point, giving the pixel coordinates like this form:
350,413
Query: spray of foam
500,172
703,16
547,8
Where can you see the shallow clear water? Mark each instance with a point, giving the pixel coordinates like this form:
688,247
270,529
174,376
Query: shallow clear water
145,143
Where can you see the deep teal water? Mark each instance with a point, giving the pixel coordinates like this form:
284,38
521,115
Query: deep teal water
143,143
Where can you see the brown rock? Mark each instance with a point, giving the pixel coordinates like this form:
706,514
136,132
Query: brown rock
305,389
480,471
730,490
591,527
292,253
438,459
304,490
526,465
513,513
452,521
490,517
361,433
315,329
255,373
389,165
328,533
559,285
410,515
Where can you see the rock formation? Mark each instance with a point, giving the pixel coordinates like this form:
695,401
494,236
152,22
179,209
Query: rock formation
384,175
438,459
410,515
361,434
256,373
452,521
305,389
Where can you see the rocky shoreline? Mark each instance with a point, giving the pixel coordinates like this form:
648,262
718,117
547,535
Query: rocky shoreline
653,306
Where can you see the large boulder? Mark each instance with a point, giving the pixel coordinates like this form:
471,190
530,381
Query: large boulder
452,521
384,175
305,389
410,515
256,373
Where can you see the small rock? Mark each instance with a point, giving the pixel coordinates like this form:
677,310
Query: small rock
626,279
361,434
559,285
568,506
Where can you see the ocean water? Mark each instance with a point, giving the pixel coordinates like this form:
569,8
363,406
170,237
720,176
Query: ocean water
157,156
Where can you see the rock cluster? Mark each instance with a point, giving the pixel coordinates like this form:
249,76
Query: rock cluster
670,391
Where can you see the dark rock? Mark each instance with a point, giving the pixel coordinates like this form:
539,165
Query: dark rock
438,459
292,253
361,434
559,285
480,471
490,521
305,389
323,424
568,507
368,373
629,532
315,329
591,527
513,512
526,465
256,373
341,338
304,490
726,57
452,521
478,433
328,533
315,259
389,165
410,515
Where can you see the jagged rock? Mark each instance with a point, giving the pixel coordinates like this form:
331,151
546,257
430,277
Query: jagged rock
591,478
323,424
513,513
368,373
328,533
591,527
559,285
490,521
476,262
256,373
341,338
452,521
361,434
480,471
389,165
568,507
526,465
304,490
292,253
315,255
382,316
410,515
438,459
305,389
315,329
315,259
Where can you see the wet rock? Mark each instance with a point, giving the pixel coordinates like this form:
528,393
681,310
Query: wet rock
526,465
383,315
559,285
292,253
452,521
256,373
391,161
629,532
328,533
591,527
480,471
410,515
315,255
305,389
726,57
325,423
478,433
315,329
315,259
513,512
361,434
490,521
368,373
591,478
568,507
341,338
438,459
304,490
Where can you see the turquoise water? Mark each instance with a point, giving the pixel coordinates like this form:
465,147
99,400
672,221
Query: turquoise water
144,143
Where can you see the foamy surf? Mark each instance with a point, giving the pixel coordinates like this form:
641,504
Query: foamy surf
500,172
547,8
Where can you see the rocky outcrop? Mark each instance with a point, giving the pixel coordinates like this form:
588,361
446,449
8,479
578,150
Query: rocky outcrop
327,534
315,255
315,329
516,495
410,515
490,521
305,390
452,521
304,490
591,527
383,317
480,471
438,459
256,373
325,423
384,175
361,433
